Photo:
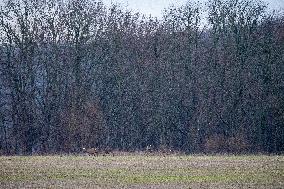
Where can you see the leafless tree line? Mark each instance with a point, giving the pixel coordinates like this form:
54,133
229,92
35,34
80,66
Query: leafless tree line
77,74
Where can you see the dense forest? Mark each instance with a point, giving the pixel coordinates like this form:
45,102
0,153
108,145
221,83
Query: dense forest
205,78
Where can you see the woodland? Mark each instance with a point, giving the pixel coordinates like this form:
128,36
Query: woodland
204,78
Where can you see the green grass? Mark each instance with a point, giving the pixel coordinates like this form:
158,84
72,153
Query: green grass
118,171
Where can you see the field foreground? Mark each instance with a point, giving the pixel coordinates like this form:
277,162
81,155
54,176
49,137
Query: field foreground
140,171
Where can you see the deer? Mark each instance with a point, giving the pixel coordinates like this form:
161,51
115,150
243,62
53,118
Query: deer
149,150
91,151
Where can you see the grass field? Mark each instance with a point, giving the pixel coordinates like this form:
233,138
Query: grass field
140,171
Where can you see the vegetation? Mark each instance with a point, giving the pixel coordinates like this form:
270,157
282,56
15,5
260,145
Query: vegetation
77,74
138,171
